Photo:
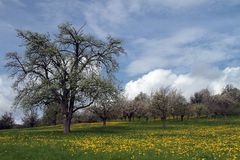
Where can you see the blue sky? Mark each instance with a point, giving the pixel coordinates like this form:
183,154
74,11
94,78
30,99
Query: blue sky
185,44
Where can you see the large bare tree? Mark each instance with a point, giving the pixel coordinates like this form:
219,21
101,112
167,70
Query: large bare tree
68,69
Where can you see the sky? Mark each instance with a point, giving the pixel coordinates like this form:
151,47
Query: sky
184,44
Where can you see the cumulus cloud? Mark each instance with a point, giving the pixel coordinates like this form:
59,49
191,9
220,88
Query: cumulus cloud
185,83
185,48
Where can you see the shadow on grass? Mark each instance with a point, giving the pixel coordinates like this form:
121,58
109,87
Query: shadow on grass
103,130
123,127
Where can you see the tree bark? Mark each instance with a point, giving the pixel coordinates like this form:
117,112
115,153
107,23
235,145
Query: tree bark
67,123
147,119
182,117
129,118
104,122
163,119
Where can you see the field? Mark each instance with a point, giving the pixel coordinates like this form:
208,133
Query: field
191,139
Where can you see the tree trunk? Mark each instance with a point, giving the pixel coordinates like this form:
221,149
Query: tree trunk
182,117
67,117
164,123
163,119
147,119
104,122
67,123
129,118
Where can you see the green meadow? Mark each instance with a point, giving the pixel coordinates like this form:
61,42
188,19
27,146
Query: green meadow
190,139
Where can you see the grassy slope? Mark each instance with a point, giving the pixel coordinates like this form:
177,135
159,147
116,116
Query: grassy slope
193,139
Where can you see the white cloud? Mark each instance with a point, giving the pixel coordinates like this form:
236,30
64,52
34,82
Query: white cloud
179,4
111,14
105,17
185,48
186,83
6,94
55,12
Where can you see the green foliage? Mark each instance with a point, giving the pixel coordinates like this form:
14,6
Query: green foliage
6,121
200,109
105,104
30,118
52,115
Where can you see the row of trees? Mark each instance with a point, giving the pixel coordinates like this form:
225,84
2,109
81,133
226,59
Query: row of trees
169,103
30,119
164,103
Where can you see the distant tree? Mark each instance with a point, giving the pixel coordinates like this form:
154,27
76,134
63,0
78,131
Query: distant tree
123,107
6,121
190,111
178,104
200,97
225,103
52,115
200,102
126,107
200,109
142,105
85,115
30,118
68,69
222,104
161,103
104,106
232,93
129,110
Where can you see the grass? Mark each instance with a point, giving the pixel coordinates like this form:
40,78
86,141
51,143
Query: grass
191,139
